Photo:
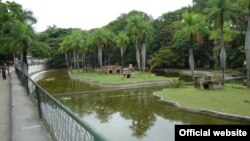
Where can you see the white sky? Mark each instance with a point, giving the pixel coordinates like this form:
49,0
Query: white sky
88,14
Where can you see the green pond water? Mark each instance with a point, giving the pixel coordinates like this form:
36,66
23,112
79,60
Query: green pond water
123,115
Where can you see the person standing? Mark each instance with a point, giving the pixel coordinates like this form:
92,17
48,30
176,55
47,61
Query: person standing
8,70
4,72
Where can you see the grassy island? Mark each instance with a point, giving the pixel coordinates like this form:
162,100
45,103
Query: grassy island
118,78
233,99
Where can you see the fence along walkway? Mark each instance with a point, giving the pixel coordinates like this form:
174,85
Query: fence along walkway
63,124
25,124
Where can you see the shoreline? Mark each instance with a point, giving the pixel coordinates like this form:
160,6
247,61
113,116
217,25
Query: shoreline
148,83
203,111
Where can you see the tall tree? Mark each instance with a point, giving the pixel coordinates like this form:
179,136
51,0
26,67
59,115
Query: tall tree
65,46
99,38
17,35
191,24
21,38
141,32
245,4
84,46
122,39
219,12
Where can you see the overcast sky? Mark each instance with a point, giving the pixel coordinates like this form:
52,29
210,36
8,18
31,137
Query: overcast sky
88,14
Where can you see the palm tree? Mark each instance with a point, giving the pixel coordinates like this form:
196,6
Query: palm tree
99,38
219,12
20,39
65,46
245,4
16,31
74,42
147,34
77,39
122,39
140,31
192,25
84,46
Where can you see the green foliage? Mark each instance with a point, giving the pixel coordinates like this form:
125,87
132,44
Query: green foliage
228,33
176,83
75,40
220,11
100,37
53,36
17,35
139,29
236,57
122,39
133,29
164,57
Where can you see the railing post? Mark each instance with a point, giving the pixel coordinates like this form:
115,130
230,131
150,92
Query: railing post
39,103
22,78
27,85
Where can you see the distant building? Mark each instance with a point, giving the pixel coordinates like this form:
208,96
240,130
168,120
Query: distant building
112,69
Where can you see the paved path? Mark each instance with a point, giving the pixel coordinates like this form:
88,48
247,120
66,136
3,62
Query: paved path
5,120
21,122
26,125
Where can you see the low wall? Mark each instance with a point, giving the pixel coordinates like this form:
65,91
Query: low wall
37,68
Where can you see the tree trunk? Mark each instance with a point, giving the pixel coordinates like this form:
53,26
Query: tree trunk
78,60
138,58
191,63
74,55
66,59
100,56
83,60
223,62
143,55
122,51
24,63
191,58
247,47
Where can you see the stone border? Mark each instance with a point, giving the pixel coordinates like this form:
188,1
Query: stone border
203,111
125,85
34,75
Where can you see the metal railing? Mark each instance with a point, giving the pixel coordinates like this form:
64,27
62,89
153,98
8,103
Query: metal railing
62,123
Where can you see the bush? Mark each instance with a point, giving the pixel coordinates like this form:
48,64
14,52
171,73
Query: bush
176,83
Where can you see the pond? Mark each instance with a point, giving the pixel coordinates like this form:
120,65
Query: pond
123,115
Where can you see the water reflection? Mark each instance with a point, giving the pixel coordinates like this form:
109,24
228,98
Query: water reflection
133,115
57,82
128,115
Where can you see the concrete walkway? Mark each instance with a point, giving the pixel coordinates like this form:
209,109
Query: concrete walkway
21,122
26,125
5,120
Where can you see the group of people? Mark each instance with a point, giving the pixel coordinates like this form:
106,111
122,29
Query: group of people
4,71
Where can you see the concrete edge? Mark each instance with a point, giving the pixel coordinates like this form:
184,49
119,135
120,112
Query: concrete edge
125,85
203,111
11,105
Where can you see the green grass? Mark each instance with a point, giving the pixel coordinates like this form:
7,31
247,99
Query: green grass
233,99
118,78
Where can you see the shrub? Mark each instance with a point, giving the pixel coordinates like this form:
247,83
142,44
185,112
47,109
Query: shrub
176,83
